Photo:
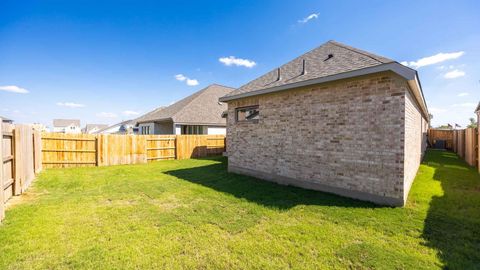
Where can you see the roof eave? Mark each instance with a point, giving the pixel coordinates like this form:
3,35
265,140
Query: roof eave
155,120
407,73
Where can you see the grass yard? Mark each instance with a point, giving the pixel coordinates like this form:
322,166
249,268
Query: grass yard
192,214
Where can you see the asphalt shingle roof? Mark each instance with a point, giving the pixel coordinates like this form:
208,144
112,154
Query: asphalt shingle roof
318,64
65,122
201,107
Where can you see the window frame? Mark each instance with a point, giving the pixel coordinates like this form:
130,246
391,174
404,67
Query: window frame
257,107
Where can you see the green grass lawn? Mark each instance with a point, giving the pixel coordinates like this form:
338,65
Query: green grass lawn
192,214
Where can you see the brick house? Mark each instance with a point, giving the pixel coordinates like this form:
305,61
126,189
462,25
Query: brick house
336,119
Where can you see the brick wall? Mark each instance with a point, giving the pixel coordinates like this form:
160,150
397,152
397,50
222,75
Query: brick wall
415,139
345,137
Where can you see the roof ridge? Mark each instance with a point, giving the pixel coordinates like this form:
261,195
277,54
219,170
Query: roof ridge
222,85
355,50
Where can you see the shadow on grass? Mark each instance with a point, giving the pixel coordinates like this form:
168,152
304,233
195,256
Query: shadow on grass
452,225
262,192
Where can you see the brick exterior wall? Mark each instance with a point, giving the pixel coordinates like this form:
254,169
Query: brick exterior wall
415,140
345,137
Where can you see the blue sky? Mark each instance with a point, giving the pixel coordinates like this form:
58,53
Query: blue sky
106,61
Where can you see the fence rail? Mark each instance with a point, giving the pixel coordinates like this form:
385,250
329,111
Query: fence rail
67,150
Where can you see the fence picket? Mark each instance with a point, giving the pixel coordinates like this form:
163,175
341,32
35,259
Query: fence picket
65,150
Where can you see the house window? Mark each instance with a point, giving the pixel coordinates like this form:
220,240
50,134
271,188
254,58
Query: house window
193,130
247,114
145,130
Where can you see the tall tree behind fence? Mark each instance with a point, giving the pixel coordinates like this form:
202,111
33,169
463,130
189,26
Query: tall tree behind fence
20,151
66,150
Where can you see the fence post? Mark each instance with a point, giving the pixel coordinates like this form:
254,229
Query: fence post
2,191
96,150
18,161
176,146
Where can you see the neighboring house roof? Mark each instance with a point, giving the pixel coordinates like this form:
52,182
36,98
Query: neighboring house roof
65,122
331,61
478,107
123,123
90,127
148,116
6,120
201,107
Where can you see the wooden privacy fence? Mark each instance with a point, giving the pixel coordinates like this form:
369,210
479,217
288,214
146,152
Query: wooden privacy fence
79,150
20,151
464,142
441,134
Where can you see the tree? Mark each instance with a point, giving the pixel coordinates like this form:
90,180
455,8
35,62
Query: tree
448,126
473,123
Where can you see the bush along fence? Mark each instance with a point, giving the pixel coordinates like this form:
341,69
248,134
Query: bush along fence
464,142
20,151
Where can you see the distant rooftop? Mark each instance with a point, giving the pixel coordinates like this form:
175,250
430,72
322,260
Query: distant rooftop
65,122
201,107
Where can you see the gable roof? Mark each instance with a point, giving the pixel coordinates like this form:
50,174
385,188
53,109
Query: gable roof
65,122
90,127
201,107
478,108
329,62
148,116
317,64
6,120
126,122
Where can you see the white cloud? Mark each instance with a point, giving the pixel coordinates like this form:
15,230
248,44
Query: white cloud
106,115
188,81
14,89
192,82
70,104
434,59
180,77
232,60
309,17
454,74
463,94
130,113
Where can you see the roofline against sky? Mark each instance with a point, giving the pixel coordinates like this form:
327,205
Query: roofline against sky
405,72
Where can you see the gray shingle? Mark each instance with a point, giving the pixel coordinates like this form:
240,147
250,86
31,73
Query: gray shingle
65,122
344,58
201,107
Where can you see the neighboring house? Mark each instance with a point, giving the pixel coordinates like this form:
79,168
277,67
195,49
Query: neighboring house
93,128
199,113
40,127
336,119
6,120
67,126
125,127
